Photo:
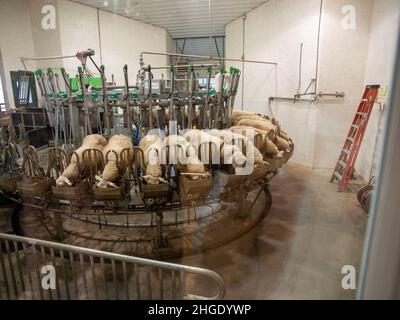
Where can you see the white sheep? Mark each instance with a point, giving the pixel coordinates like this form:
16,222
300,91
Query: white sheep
115,146
244,118
152,147
71,173
268,148
187,155
230,137
229,153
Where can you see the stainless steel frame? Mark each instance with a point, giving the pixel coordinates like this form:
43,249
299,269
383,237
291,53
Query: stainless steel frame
83,273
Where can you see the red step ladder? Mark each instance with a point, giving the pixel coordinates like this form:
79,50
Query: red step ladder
345,166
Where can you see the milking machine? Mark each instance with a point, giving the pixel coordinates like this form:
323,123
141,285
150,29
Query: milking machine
194,96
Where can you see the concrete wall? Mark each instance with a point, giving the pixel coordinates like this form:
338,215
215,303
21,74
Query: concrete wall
16,40
274,33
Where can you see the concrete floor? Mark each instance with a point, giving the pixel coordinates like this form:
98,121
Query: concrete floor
299,250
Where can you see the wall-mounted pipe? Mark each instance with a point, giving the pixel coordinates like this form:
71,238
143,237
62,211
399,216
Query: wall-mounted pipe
318,45
300,67
243,55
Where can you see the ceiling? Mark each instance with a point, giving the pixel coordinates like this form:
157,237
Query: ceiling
182,18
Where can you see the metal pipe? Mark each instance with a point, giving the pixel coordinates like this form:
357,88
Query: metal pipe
294,100
121,87
300,67
336,95
105,102
318,45
209,27
243,56
199,66
23,59
204,57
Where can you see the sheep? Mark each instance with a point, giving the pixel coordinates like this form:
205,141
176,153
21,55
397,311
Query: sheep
238,115
115,145
71,173
269,148
193,164
243,118
230,136
152,146
262,124
231,154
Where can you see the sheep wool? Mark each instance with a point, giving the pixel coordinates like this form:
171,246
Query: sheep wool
269,148
238,115
188,157
71,173
229,154
282,144
243,118
115,145
197,137
230,137
152,147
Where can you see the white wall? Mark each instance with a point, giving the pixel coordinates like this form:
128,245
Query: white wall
15,39
234,50
121,39
124,39
77,28
274,32
343,57
45,42
380,62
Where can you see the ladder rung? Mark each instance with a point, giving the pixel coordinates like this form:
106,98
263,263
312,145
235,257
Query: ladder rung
342,163
361,113
355,126
346,151
350,139
338,176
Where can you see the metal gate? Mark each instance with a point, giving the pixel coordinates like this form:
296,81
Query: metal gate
43,270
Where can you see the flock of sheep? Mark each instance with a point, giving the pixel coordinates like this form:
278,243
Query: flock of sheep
274,143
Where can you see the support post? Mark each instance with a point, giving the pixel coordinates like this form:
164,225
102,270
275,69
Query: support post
160,242
58,225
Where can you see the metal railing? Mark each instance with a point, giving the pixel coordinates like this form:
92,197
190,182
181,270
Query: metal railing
38,269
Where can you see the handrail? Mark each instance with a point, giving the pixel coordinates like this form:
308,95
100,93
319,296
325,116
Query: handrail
114,257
